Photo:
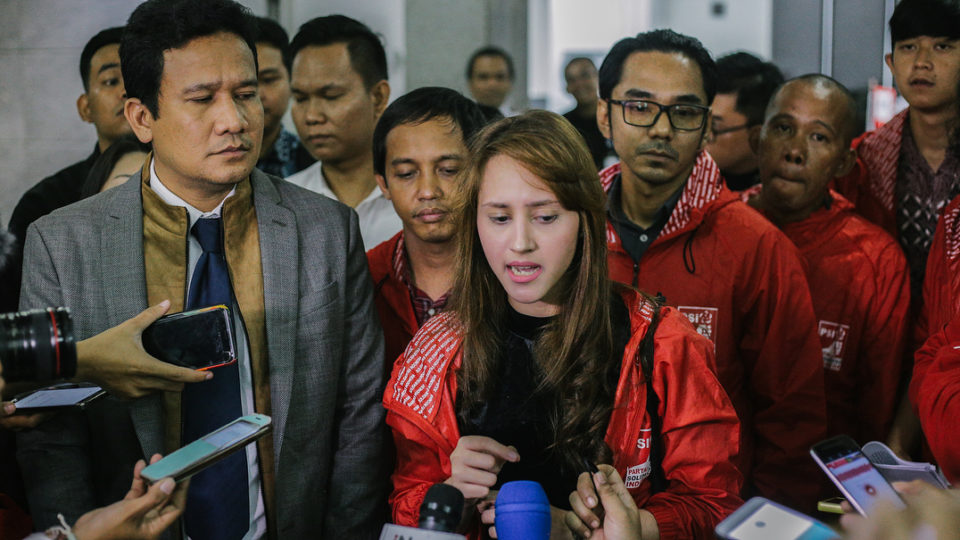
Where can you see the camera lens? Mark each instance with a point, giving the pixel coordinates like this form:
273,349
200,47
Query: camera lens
37,345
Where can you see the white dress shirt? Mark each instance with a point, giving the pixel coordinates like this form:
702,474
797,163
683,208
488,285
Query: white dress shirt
378,220
258,517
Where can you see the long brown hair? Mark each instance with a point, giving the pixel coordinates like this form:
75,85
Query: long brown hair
575,351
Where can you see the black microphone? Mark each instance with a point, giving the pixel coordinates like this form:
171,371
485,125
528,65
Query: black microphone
440,516
441,509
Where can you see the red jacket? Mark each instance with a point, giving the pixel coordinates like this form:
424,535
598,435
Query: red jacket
937,399
871,184
941,288
741,283
699,428
392,298
860,284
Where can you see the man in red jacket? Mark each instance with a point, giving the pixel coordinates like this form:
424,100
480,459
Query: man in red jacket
941,290
857,273
907,170
419,147
936,396
674,228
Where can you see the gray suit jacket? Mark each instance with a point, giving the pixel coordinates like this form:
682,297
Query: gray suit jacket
324,343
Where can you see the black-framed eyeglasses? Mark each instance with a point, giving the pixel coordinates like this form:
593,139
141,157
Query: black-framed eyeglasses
716,131
645,113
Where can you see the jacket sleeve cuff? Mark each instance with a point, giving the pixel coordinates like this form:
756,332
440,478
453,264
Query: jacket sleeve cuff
406,510
667,520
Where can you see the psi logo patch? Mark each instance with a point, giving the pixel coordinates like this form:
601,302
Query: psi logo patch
833,341
704,319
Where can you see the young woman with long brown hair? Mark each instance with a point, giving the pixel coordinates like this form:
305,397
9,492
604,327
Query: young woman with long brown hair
542,364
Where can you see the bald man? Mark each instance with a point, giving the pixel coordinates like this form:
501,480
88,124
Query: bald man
857,273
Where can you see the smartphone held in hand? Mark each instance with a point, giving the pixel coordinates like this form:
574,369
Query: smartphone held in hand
200,339
853,474
763,519
209,449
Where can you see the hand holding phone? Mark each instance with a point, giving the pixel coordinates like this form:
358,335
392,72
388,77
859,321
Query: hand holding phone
115,359
853,474
200,339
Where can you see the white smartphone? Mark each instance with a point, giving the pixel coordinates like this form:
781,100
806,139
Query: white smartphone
57,397
762,519
208,449
853,474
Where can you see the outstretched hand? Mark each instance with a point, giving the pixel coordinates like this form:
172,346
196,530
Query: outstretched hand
116,360
142,514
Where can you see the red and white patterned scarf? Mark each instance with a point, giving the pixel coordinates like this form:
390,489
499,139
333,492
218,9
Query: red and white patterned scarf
880,153
703,187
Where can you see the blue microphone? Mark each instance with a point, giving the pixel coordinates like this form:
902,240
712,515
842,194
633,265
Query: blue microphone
522,512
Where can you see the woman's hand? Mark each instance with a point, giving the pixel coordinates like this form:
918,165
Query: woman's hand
603,508
475,464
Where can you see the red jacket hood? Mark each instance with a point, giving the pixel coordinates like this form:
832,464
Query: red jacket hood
703,194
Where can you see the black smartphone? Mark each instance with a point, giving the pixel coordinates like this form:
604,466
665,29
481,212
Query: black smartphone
200,339
57,397
853,474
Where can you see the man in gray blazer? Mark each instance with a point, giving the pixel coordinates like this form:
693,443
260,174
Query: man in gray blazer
310,348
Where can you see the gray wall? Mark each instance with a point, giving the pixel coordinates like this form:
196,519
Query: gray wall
441,36
858,27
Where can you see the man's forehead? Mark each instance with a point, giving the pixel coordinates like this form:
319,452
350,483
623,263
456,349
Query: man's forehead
439,136
663,75
579,67
217,57
324,62
926,36
820,102
490,62
108,54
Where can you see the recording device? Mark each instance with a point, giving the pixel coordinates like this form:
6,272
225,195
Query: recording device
853,474
209,449
522,512
762,519
441,508
200,339
37,345
439,517
57,397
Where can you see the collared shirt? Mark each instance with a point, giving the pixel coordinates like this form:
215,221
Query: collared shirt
922,193
424,307
258,516
378,220
282,159
634,238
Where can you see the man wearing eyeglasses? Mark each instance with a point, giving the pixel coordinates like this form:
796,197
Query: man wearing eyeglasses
674,228
744,87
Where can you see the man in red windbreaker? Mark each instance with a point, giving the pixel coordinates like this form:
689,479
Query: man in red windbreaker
419,146
941,291
936,396
906,170
858,276
674,228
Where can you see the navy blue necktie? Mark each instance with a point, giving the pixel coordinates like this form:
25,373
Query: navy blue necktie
218,499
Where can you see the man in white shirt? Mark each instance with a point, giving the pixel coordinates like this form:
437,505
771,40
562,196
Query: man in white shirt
339,81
